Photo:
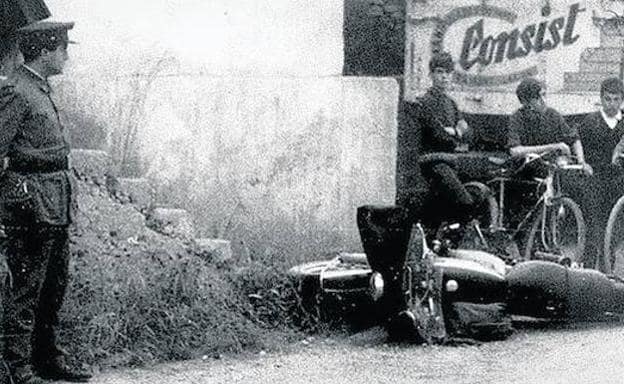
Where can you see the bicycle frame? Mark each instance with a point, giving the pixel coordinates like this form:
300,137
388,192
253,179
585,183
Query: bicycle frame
501,221
551,185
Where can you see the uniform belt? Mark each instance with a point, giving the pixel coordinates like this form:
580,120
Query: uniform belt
50,166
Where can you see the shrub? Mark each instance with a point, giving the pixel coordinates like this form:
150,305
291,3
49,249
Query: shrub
152,307
273,297
138,305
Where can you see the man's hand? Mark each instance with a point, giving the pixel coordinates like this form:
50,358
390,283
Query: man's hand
450,130
462,128
458,131
563,148
587,169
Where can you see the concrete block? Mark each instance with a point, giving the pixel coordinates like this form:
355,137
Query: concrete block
138,190
601,54
172,222
213,250
585,77
608,67
91,165
582,86
585,81
611,36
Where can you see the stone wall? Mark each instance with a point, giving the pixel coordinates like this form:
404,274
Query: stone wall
374,37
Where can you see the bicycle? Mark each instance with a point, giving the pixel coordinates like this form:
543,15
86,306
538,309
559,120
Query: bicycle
554,228
613,255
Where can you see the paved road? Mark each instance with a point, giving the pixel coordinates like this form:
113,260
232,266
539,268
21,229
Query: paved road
574,354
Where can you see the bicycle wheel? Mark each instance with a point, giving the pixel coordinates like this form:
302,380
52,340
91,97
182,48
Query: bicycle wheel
562,233
614,240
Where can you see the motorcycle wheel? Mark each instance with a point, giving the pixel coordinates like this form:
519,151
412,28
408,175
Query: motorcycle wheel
564,233
613,262
342,298
307,277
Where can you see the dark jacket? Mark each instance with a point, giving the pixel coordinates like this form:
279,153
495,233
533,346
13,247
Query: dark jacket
35,143
437,110
528,127
599,140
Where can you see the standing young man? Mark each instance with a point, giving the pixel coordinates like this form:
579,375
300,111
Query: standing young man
536,128
35,192
600,132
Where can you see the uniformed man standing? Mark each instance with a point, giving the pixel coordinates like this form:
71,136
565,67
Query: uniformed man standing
35,196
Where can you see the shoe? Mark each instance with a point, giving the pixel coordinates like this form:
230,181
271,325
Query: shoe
402,327
25,375
57,369
479,208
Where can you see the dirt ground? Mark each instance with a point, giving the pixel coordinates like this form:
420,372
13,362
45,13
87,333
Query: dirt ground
585,353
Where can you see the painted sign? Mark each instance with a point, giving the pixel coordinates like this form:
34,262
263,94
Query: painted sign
486,42
495,44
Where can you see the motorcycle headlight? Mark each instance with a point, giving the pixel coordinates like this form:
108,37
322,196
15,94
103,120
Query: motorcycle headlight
452,286
376,286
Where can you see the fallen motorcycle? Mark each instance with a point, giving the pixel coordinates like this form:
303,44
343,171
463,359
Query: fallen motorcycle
423,296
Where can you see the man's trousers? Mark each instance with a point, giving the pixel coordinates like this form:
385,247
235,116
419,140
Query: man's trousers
38,260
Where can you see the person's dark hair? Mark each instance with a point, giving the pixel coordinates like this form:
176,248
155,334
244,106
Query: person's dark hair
612,85
31,44
529,89
441,60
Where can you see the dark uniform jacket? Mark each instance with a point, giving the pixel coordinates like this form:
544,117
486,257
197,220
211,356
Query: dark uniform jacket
36,145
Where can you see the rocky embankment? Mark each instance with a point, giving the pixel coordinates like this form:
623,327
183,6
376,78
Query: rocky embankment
121,212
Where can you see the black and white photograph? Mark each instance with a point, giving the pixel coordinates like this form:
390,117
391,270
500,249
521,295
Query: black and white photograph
296,191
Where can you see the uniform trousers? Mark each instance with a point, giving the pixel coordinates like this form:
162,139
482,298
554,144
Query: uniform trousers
38,261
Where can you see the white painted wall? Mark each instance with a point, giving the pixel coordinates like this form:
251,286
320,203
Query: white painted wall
247,122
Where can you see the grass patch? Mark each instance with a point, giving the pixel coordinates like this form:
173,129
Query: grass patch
136,305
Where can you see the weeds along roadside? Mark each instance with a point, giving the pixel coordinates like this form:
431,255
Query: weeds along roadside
142,306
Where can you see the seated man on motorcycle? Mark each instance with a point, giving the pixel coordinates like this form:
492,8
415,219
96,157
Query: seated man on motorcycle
444,134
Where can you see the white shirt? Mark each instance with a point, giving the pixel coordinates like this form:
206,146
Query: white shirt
611,121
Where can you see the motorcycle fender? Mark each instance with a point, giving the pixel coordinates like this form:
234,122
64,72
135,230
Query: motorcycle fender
474,282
